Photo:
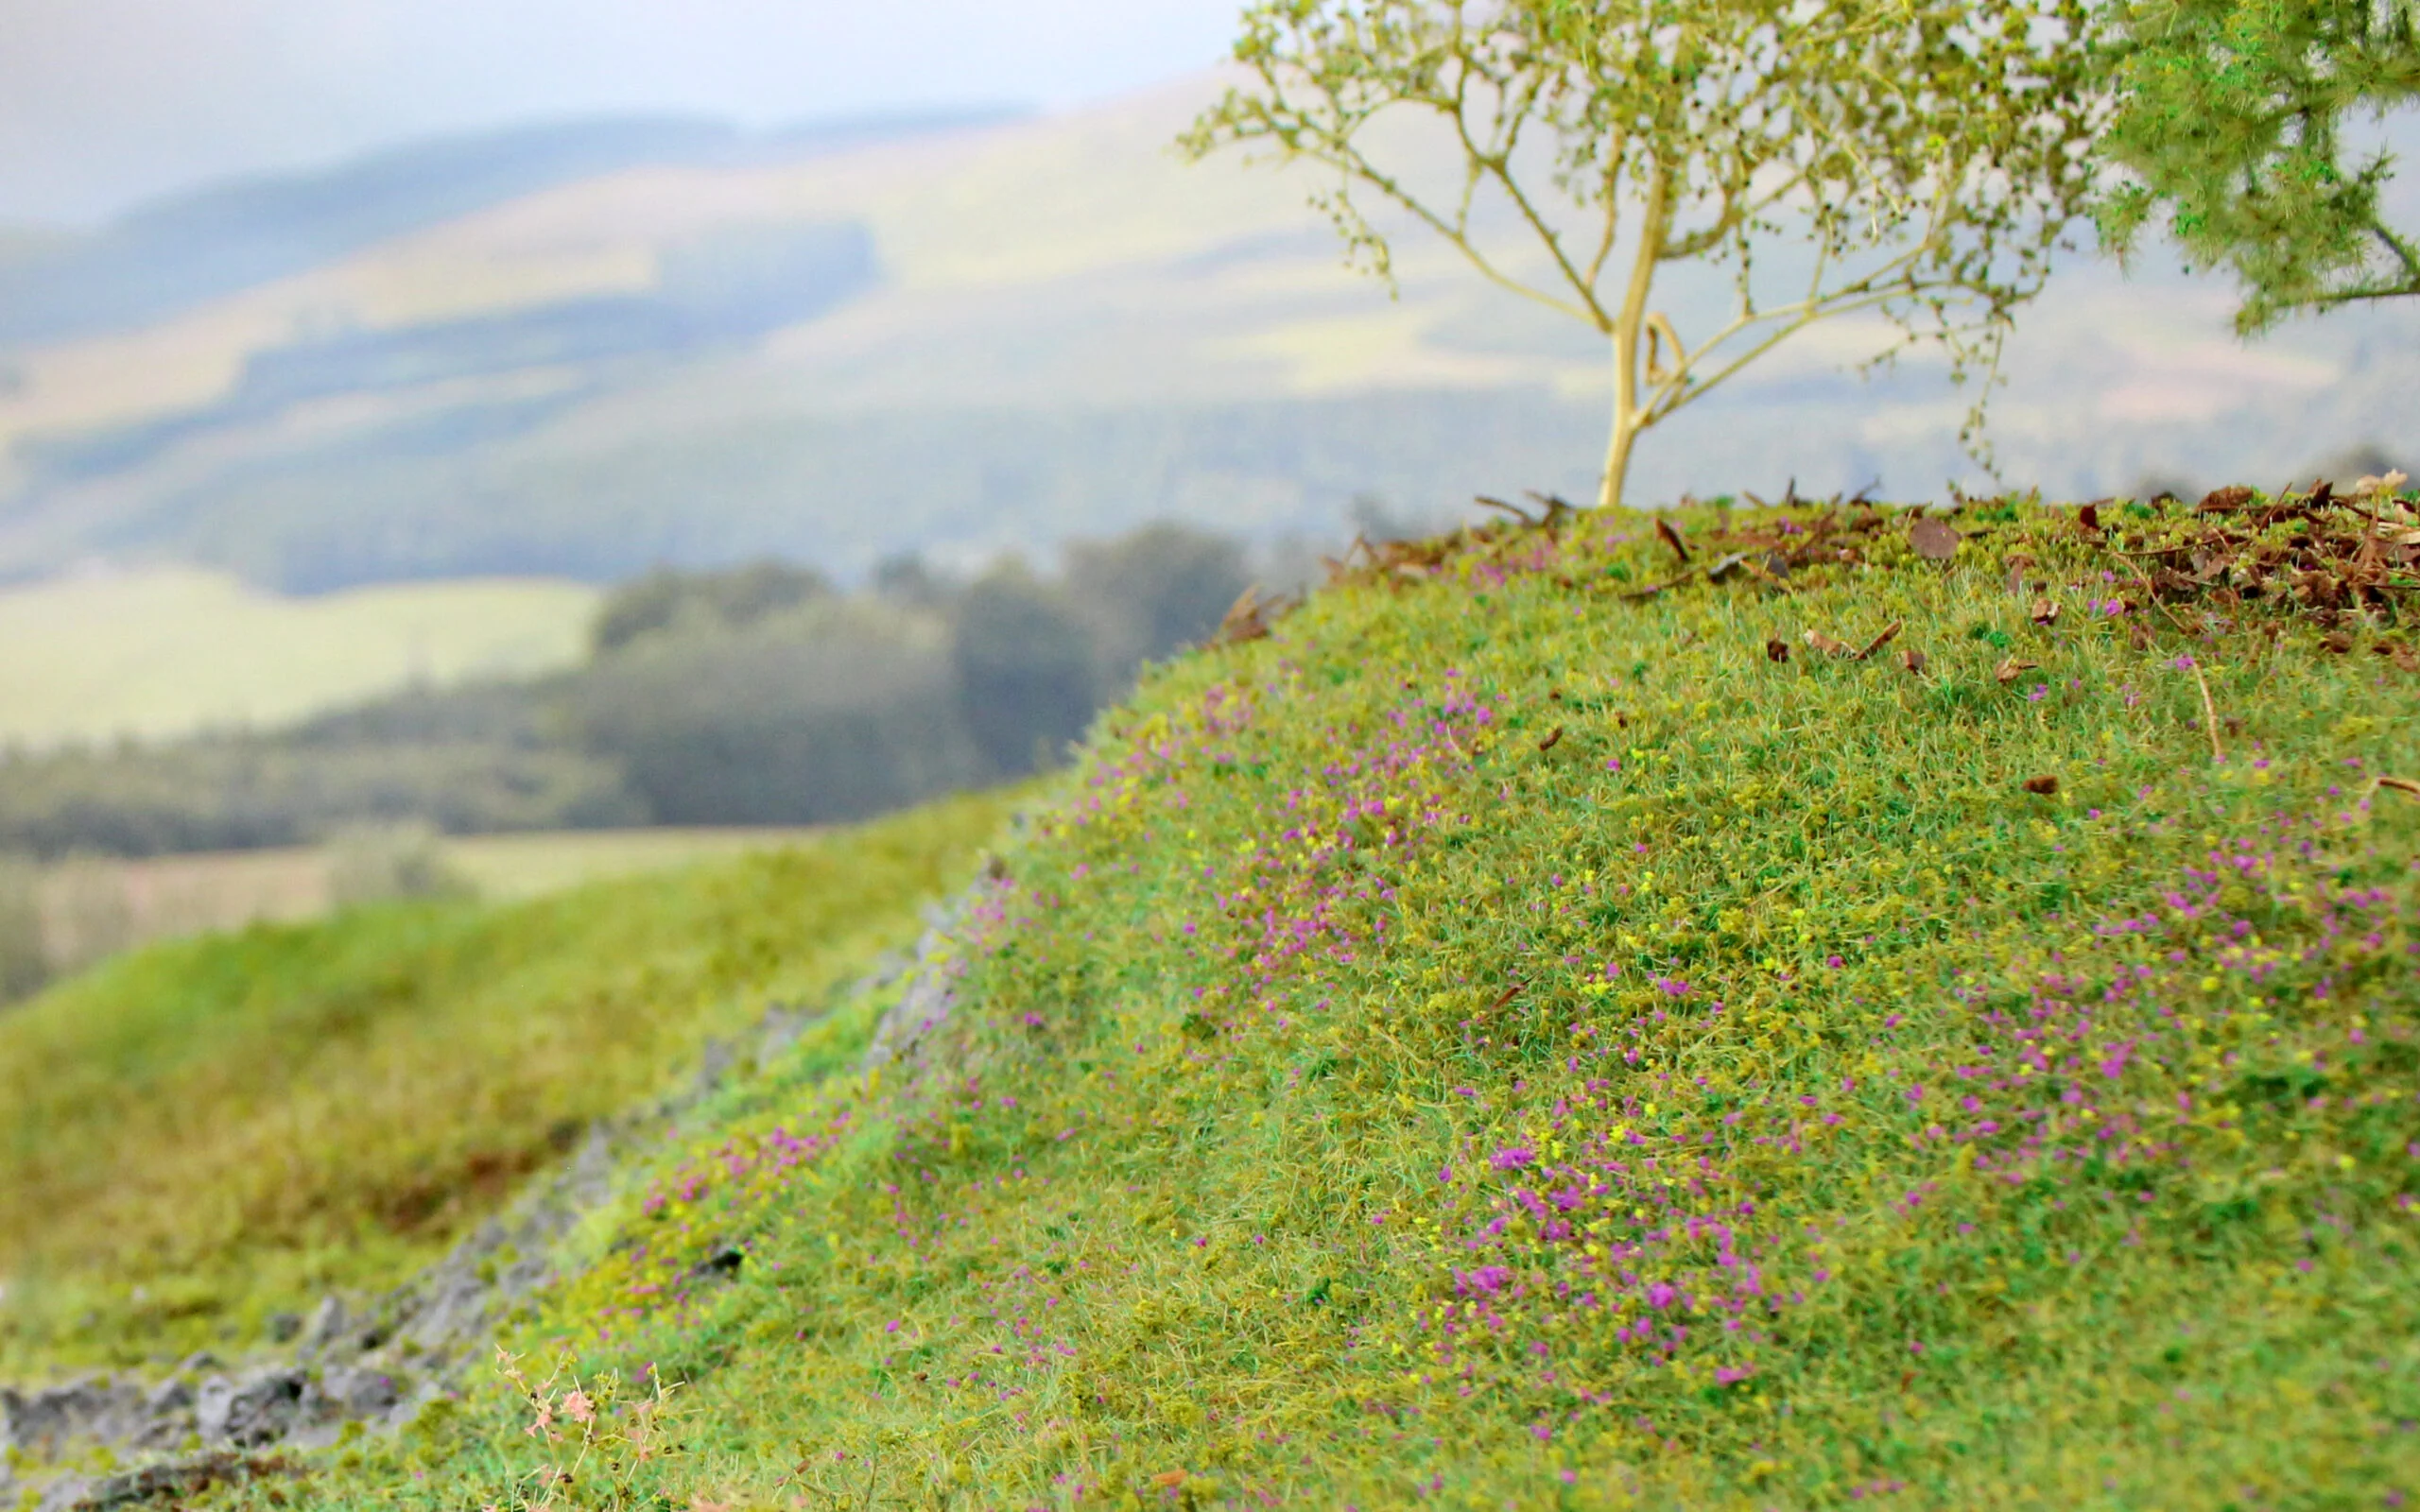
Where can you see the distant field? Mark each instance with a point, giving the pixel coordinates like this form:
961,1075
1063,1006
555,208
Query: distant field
165,651
92,907
506,868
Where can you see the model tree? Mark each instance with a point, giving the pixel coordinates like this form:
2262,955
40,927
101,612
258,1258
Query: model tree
2231,121
1932,151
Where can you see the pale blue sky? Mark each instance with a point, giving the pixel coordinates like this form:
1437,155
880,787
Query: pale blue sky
106,101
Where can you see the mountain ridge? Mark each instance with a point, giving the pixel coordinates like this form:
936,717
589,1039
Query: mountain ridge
221,237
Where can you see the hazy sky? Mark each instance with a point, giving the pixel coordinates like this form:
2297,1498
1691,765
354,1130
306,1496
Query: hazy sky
106,101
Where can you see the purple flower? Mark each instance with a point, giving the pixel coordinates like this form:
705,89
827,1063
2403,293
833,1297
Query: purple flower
1513,1157
1485,1281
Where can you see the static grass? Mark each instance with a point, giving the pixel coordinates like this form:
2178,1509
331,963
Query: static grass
201,1134
1500,1042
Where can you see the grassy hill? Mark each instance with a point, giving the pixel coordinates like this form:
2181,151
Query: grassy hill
198,1136
1550,1025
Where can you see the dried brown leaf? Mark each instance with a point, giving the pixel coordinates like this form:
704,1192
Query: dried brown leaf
2045,786
1818,640
1913,660
1672,537
2046,613
1890,633
1935,539
1554,739
1245,620
2012,669
2401,784
1776,650
2222,501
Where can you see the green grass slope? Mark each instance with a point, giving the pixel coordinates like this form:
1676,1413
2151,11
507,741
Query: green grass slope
1512,1039
198,1135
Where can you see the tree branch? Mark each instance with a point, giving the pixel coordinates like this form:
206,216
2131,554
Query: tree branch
1613,209
1801,314
1498,166
1349,161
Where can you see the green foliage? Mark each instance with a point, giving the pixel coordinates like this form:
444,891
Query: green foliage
1160,589
1026,669
200,1134
828,712
1508,1040
2232,127
1931,152
664,600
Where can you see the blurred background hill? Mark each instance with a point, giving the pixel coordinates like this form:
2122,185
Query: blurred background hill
587,349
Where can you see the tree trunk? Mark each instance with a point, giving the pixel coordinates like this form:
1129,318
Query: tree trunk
1628,326
1609,493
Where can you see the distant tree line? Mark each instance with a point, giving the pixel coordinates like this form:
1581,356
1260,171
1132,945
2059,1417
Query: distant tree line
760,694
